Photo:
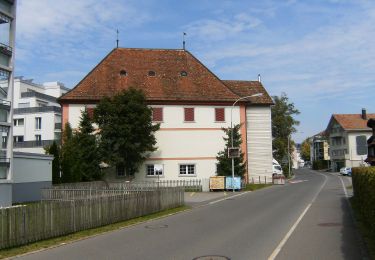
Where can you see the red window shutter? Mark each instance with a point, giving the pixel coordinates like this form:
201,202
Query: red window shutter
189,114
219,114
157,114
90,112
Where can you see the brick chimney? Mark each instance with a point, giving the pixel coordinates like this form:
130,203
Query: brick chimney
364,115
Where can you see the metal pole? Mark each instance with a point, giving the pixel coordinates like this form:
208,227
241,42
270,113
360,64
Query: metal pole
289,154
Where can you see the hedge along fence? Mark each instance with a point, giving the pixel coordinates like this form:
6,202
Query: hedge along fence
56,217
364,194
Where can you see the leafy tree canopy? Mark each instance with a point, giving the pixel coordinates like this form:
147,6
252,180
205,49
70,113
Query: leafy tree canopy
305,150
283,125
127,133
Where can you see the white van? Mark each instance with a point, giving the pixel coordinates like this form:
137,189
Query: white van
276,167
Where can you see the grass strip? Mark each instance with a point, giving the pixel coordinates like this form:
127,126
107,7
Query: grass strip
252,186
43,244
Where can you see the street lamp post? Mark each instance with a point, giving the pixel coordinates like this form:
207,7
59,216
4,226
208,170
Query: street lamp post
231,128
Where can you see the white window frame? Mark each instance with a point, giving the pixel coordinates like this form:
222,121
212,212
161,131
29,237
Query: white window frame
38,123
155,168
187,170
16,121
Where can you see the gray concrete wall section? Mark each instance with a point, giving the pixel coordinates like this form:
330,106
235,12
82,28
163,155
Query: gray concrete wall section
5,194
29,191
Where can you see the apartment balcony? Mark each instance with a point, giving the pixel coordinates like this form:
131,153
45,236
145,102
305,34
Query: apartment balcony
4,17
39,96
58,126
5,104
5,49
31,110
33,144
4,161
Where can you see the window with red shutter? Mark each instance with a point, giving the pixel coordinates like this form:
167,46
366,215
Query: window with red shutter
189,114
219,115
90,112
157,114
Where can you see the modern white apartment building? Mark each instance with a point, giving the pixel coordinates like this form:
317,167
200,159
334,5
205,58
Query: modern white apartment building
192,106
7,43
36,115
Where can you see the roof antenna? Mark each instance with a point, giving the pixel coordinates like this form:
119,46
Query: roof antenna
117,39
183,40
259,79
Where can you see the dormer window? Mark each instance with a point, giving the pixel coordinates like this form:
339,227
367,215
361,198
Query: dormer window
183,73
151,73
123,73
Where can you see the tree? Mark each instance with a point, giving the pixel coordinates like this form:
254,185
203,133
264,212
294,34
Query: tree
283,125
127,134
86,151
224,162
68,156
54,150
305,150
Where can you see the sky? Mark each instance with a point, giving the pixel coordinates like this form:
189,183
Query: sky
319,52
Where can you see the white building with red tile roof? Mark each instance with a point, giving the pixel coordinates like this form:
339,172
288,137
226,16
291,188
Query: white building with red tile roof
192,106
347,136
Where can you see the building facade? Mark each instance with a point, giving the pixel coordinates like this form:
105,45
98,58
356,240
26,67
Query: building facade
371,143
7,44
192,106
36,115
319,147
347,135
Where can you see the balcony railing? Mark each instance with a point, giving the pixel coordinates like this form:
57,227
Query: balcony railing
38,95
5,49
30,110
33,144
4,18
4,104
4,161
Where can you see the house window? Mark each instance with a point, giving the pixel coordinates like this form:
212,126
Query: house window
361,141
123,73
90,112
38,140
38,123
189,114
152,73
219,115
154,170
120,170
187,169
18,138
18,122
183,73
157,114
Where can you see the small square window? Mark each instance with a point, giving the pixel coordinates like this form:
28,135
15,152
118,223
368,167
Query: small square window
154,170
187,169
189,114
183,73
152,73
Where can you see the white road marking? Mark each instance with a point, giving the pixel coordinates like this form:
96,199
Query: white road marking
286,237
344,188
216,201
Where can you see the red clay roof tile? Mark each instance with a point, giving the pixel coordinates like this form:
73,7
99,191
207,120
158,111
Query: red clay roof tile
200,84
352,121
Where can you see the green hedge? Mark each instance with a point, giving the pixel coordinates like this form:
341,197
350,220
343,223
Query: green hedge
364,195
319,165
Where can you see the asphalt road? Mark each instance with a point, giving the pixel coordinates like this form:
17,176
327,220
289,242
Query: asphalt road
255,225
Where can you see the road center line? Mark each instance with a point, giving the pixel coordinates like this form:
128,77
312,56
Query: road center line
216,201
291,230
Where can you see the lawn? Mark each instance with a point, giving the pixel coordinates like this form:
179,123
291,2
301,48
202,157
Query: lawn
253,186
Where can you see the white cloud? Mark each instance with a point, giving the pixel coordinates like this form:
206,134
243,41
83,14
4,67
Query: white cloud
221,29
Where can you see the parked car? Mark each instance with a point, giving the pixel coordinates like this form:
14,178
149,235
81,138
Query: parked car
346,171
276,167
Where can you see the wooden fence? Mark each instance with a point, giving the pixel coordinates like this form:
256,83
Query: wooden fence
189,185
56,217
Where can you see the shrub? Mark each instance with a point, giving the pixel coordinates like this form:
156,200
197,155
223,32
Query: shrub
364,195
319,165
